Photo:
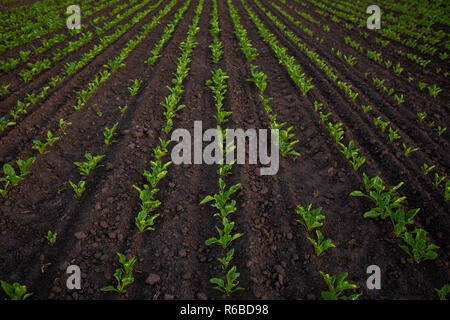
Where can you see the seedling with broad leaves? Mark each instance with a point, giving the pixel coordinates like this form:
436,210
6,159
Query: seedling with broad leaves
385,199
336,287
417,246
15,291
321,244
230,284
123,275
310,218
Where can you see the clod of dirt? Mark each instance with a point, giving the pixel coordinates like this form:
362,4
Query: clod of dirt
152,279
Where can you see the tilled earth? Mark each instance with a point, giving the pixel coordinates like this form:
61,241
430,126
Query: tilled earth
274,257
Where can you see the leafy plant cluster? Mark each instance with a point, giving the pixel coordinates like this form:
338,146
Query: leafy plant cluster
288,62
85,169
222,201
146,216
168,31
245,44
389,205
286,142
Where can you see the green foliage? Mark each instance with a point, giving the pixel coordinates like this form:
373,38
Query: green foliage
15,291
310,219
321,245
336,286
418,248
123,275
231,285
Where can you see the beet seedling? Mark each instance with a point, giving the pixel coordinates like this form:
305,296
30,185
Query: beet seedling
441,130
336,286
122,275
409,150
426,169
158,171
5,123
226,260
15,291
63,125
385,200
40,146
86,167
320,246
25,165
258,78
10,175
442,293
109,134
135,84
438,180
146,196
231,285
221,199
310,218
51,237
78,188
400,220
393,135
420,250
225,237
144,222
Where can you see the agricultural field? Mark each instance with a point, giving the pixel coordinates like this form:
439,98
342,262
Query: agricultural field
95,204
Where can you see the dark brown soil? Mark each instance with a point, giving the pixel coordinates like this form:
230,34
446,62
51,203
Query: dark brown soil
274,257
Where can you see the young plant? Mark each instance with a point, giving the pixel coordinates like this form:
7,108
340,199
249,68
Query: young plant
221,199
10,175
317,106
225,261
15,291
225,237
109,134
40,146
91,163
25,165
232,285
310,218
357,161
146,197
421,116
158,171
5,123
442,293
122,275
393,135
63,125
336,286
135,84
320,246
258,78
78,188
386,200
144,222
426,169
440,130
409,150
400,220
438,180
51,237
123,109
420,250
399,98
434,90
366,108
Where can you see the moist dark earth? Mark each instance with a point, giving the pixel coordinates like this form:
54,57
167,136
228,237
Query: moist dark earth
274,257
